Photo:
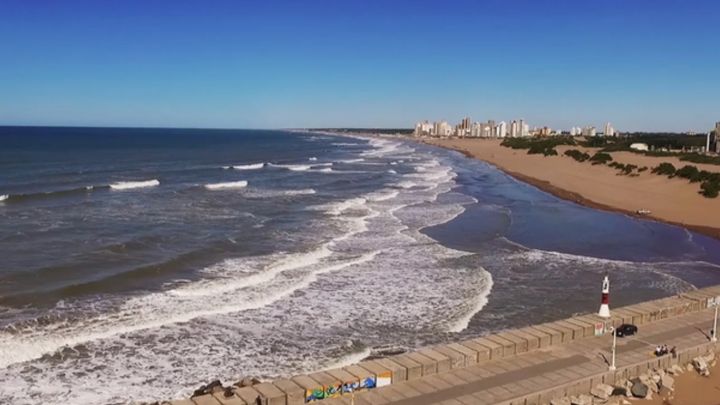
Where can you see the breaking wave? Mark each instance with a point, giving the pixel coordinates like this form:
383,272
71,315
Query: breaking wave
253,166
227,185
127,185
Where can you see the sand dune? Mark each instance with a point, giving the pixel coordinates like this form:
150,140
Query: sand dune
670,200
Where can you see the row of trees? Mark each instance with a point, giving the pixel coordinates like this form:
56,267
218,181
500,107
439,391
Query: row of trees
710,181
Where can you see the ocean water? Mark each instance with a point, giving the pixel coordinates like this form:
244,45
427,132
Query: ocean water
138,264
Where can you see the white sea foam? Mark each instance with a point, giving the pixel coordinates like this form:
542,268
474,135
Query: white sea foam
312,159
227,185
295,168
342,206
383,195
406,184
358,160
253,166
4,197
376,269
304,191
325,170
127,185
476,305
392,171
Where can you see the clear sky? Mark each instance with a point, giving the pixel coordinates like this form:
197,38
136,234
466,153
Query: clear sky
641,64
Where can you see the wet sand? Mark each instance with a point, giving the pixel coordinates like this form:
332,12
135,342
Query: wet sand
674,201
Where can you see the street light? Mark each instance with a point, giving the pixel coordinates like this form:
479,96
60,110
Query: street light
714,331
612,365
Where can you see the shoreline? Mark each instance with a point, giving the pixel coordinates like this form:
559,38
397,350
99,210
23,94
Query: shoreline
575,197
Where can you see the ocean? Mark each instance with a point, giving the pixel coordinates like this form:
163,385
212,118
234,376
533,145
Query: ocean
138,264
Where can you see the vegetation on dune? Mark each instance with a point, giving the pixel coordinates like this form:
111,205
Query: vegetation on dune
601,158
710,185
698,158
624,169
664,169
710,182
577,155
544,146
710,189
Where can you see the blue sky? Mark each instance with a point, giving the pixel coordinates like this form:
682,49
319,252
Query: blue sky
641,64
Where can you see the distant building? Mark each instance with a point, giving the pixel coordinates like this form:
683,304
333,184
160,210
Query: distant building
443,128
514,131
711,143
475,130
609,130
589,131
423,128
501,130
639,146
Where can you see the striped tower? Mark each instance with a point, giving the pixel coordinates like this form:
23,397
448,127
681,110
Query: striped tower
604,311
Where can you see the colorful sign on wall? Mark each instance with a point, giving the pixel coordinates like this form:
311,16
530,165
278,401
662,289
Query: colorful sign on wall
383,379
349,387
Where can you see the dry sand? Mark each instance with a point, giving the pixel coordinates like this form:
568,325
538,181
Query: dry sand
670,200
690,389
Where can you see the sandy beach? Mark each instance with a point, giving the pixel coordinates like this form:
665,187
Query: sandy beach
690,389
674,200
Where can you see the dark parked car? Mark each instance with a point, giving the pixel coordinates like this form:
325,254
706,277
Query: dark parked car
626,329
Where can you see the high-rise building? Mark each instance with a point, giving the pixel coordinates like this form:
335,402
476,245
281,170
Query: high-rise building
423,128
609,130
475,130
465,124
514,132
589,131
524,128
444,129
501,130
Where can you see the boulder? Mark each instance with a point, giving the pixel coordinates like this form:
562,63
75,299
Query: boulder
247,382
602,391
701,366
656,378
560,401
675,370
619,391
582,399
639,389
667,382
649,381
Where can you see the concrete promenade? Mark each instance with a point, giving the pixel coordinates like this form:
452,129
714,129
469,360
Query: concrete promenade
530,365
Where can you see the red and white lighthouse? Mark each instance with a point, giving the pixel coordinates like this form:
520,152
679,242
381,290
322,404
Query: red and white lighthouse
604,311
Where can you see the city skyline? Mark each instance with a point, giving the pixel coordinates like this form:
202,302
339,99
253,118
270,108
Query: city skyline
648,65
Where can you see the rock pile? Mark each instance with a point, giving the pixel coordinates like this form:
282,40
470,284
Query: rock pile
702,364
658,382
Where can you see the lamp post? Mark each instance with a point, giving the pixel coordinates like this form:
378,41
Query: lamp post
612,364
714,331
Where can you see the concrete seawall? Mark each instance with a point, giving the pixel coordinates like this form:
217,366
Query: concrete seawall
336,385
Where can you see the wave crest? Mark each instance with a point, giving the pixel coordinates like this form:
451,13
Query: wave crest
227,185
127,185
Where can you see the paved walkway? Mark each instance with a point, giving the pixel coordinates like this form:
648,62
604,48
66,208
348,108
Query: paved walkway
504,379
